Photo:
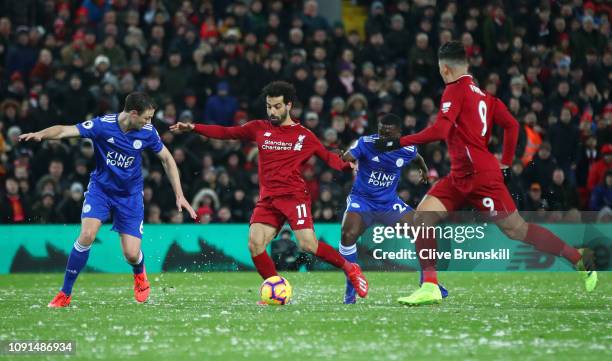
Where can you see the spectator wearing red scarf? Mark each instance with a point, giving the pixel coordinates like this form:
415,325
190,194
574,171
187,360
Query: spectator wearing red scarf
13,208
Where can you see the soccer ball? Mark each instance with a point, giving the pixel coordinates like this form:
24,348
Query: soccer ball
275,291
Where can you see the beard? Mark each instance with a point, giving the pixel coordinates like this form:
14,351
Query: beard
277,120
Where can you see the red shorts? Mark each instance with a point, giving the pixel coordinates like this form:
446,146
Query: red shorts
295,209
486,191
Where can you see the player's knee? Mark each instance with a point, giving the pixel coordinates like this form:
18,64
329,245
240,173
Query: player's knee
131,255
87,237
308,245
256,246
348,237
515,233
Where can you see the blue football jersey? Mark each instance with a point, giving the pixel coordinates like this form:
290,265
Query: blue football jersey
118,154
379,172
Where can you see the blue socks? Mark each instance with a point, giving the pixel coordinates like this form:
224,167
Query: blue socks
76,262
138,268
350,254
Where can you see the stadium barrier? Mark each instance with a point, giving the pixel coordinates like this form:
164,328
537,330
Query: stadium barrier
215,247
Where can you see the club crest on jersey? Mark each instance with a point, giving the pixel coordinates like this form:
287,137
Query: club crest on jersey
446,107
267,134
88,124
300,141
137,144
399,163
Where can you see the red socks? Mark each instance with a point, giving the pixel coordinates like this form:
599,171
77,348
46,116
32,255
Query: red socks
264,265
546,241
427,241
331,256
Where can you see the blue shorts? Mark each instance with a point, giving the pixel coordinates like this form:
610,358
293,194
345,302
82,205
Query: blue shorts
387,213
127,211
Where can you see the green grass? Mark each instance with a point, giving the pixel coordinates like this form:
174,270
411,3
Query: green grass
213,316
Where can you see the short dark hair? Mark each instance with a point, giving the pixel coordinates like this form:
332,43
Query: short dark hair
453,51
139,102
391,119
280,88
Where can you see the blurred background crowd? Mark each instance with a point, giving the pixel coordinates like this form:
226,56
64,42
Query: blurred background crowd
206,61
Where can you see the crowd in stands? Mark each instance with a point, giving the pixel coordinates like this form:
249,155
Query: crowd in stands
206,61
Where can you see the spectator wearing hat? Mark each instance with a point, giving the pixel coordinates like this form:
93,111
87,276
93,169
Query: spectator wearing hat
497,29
220,108
82,45
586,38
311,18
535,201
191,109
70,207
16,89
376,21
101,71
599,168
21,56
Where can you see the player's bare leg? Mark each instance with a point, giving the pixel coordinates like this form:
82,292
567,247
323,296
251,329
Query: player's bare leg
134,256
515,227
429,212
309,243
353,227
77,260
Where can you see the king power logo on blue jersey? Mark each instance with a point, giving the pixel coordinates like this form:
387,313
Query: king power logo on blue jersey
381,179
118,160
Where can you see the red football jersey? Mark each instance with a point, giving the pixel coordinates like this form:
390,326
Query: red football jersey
465,120
282,152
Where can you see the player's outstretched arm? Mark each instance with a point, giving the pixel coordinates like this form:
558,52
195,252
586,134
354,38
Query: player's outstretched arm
348,157
54,132
438,131
332,159
175,180
244,132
